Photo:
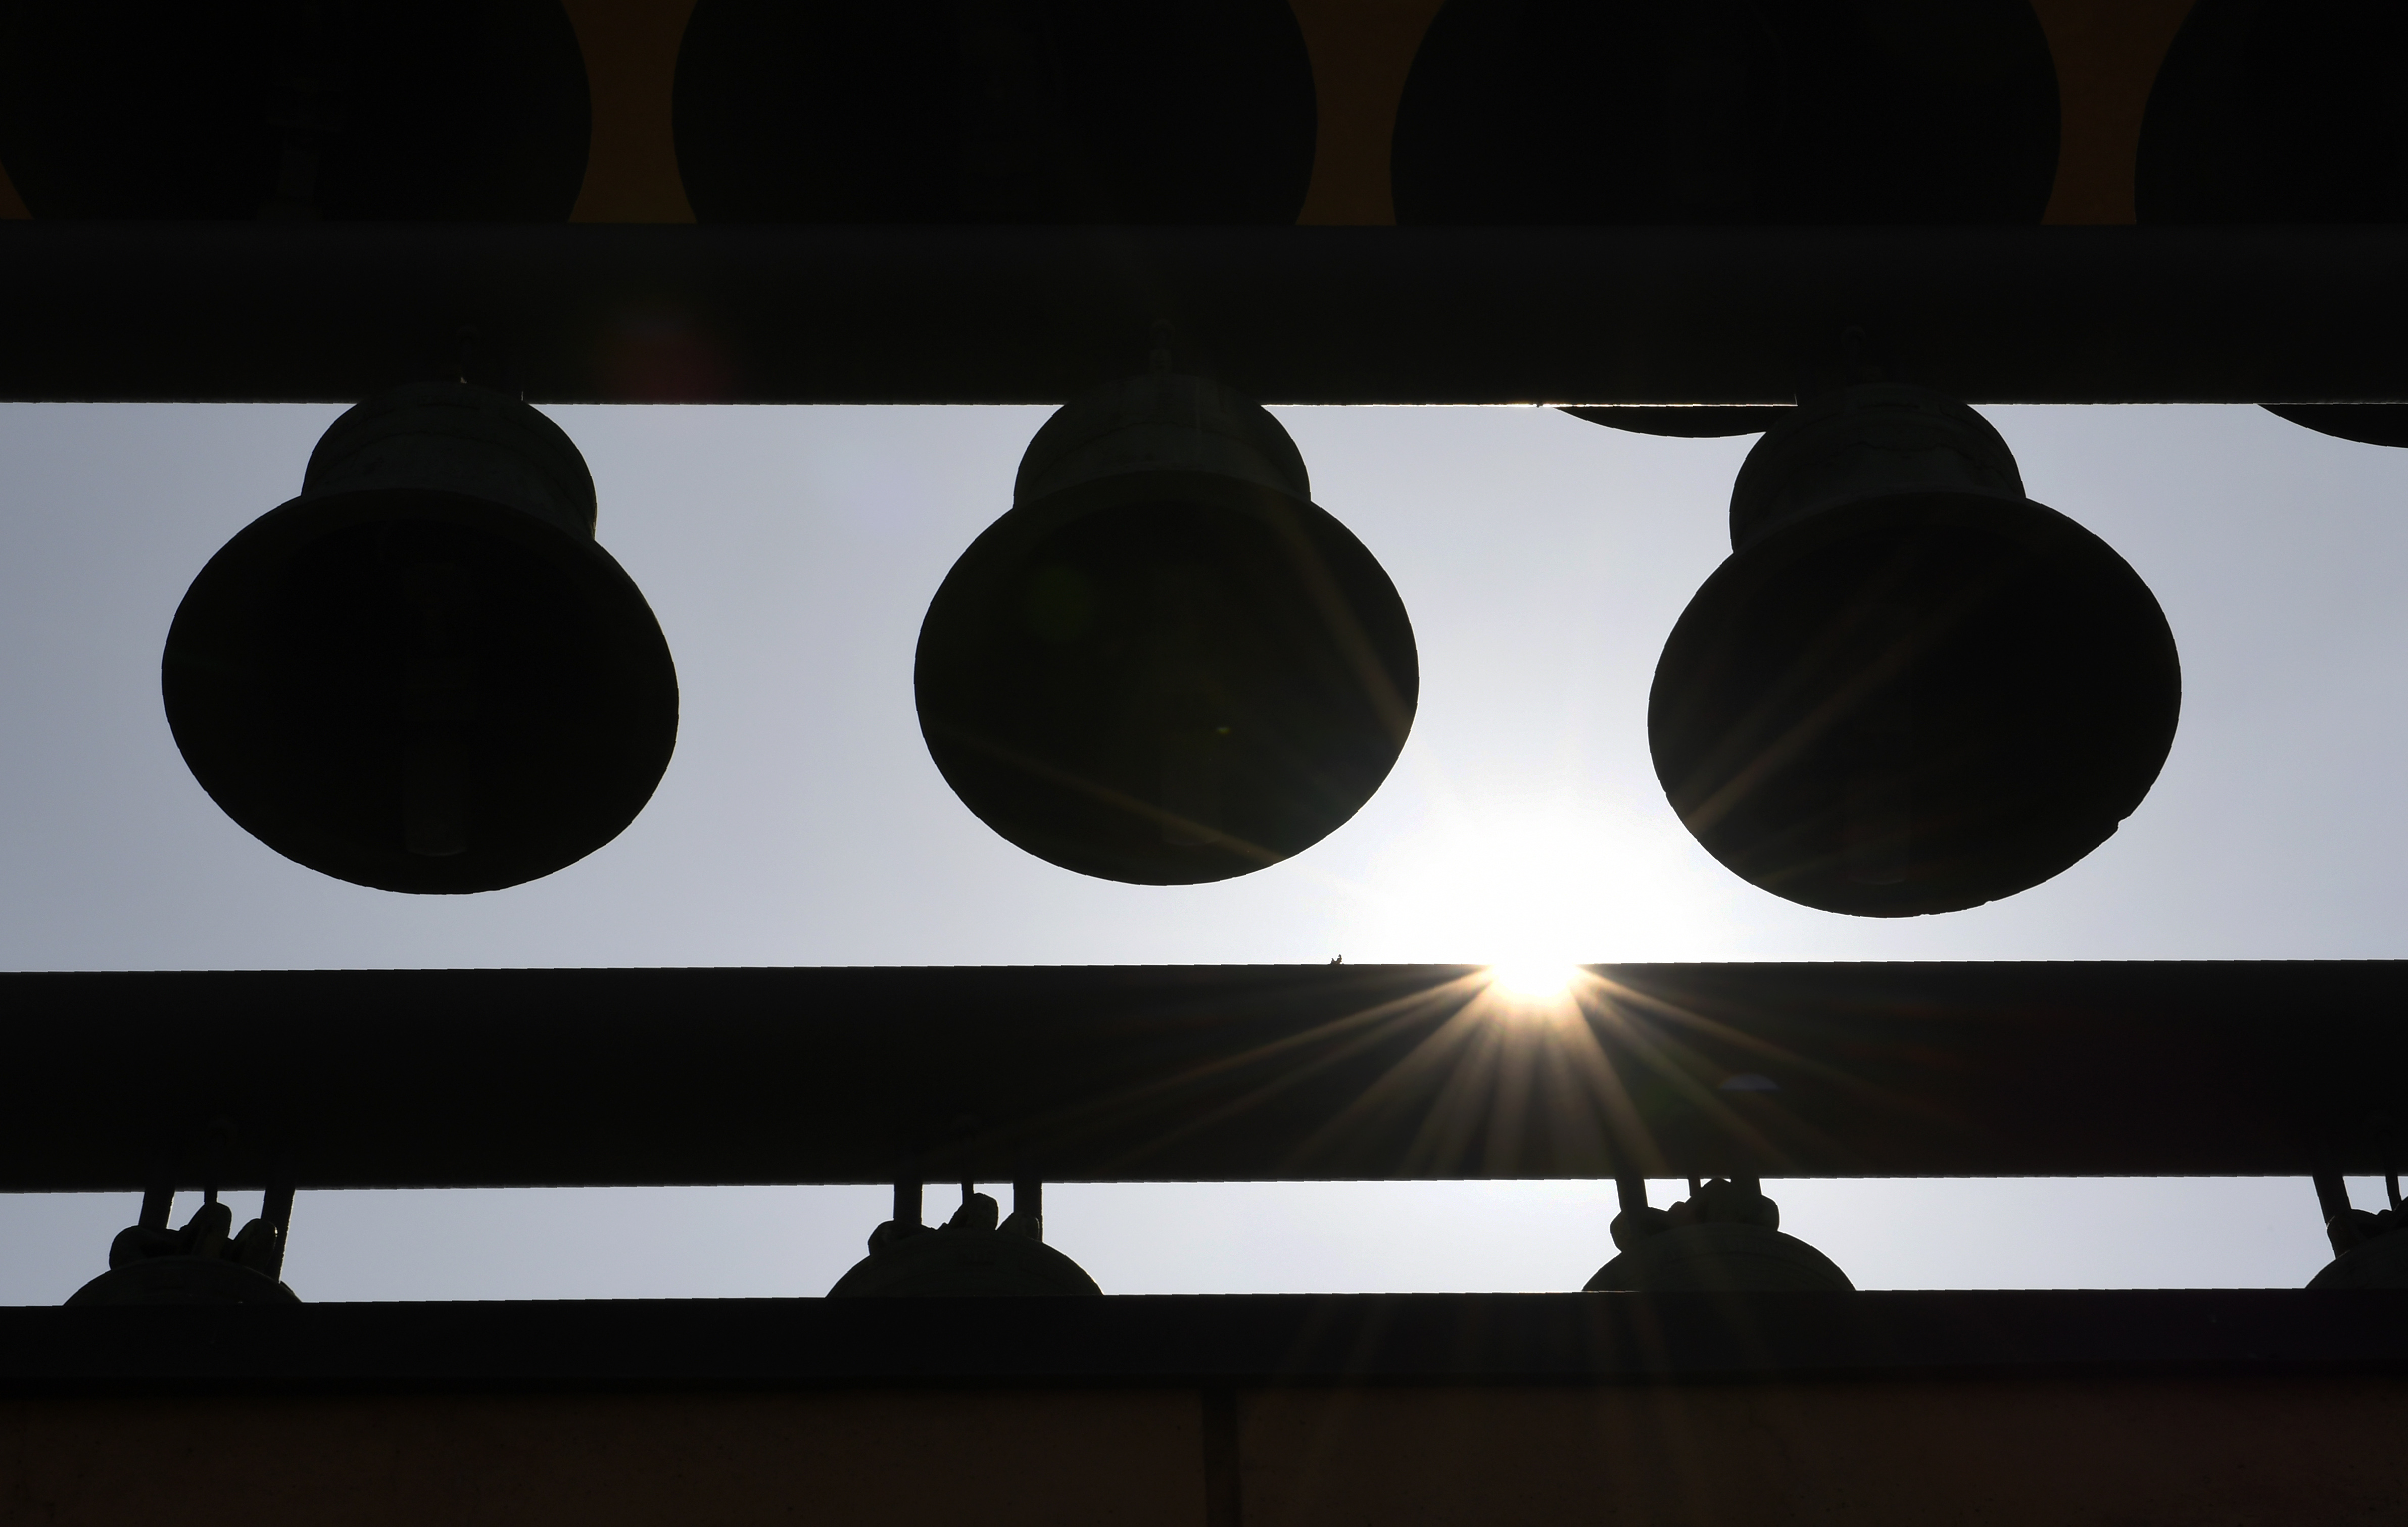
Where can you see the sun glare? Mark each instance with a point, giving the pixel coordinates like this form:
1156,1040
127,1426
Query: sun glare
1534,981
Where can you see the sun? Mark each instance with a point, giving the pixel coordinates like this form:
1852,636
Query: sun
1534,981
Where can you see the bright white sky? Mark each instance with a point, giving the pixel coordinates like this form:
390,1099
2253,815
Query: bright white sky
790,552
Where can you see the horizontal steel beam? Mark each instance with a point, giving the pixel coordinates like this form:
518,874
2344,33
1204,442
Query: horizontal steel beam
509,1077
699,1345
243,312
2088,1409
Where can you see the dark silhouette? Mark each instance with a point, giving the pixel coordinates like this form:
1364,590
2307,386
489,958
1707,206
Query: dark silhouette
1911,688
1166,664
1723,1238
969,1255
294,110
422,674
1727,111
1199,111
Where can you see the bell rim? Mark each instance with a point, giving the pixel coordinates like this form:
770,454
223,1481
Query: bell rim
1745,573
640,646
1023,527
2383,424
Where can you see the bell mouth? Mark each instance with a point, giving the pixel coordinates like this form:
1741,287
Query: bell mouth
420,691
1166,678
1913,702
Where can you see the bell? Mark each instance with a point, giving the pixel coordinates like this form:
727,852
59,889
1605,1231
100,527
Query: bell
969,1255
993,111
1686,421
2369,1247
2276,114
1723,1238
422,674
1910,689
446,111
2368,423
1165,666
1747,112
203,1263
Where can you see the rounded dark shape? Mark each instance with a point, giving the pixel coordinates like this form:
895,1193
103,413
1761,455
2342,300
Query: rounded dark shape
2379,1264
1708,422
1720,1258
1163,422
1164,666
1913,702
182,1280
1039,111
948,1263
2279,111
1866,441
1166,679
2369,424
1727,111
431,110
422,674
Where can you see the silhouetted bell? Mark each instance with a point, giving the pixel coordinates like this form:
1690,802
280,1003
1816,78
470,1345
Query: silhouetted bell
1723,1238
2371,1253
1911,688
2369,424
203,1263
969,1256
422,674
1706,422
2369,1247
1165,664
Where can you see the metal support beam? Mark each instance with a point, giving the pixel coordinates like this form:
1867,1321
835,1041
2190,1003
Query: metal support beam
2087,1409
501,1077
700,1344
297,313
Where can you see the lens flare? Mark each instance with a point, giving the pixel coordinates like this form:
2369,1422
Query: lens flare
1534,981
